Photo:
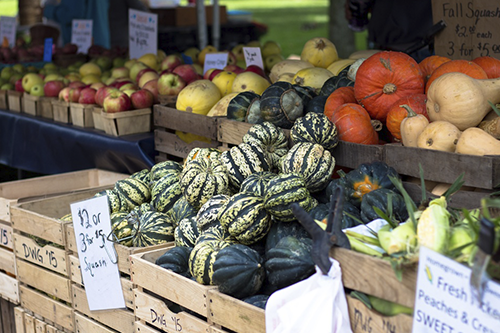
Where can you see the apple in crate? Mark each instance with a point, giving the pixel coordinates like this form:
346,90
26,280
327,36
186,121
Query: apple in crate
102,93
64,94
256,69
87,96
18,86
97,85
234,68
152,87
76,84
37,90
117,101
52,88
142,99
170,62
186,72
29,80
120,72
146,77
74,94
170,84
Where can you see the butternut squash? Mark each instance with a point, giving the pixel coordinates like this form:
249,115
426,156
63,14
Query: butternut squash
411,127
461,100
475,141
439,135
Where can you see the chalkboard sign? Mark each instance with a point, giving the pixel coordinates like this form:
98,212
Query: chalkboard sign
472,28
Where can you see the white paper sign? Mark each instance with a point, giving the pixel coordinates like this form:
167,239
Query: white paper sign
8,30
444,301
81,34
253,56
143,33
215,60
98,261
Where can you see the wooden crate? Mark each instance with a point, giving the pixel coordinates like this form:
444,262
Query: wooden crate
96,115
168,120
31,105
35,324
9,288
46,108
4,102
28,189
167,100
84,324
127,122
230,132
54,312
167,284
15,100
121,320
81,114
61,111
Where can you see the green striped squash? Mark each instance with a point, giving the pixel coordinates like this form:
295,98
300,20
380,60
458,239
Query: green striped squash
122,228
186,233
270,138
216,232
281,105
159,170
207,215
166,192
312,162
134,191
315,128
285,189
198,152
142,175
181,210
257,183
202,258
116,202
152,228
203,178
243,160
245,218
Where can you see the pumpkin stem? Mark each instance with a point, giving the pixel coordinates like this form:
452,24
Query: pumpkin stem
389,88
377,125
408,109
320,45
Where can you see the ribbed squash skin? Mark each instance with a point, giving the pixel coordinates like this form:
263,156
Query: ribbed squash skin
317,104
379,198
315,128
217,233
181,209
202,258
245,218
142,175
161,169
207,215
166,192
176,259
270,138
306,94
257,183
285,189
116,202
122,228
203,178
259,301
198,152
312,162
238,106
186,233
289,262
238,271
334,83
243,160
134,191
280,230
152,228
281,105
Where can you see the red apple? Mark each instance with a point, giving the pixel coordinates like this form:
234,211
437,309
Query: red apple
234,68
19,85
170,84
70,48
170,62
152,87
97,85
256,69
214,73
142,72
102,93
142,99
118,83
74,94
76,84
117,101
64,94
166,71
128,86
52,88
186,72
87,96
209,71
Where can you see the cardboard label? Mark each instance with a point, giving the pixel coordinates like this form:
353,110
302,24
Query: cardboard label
8,30
253,56
98,260
215,60
81,34
472,28
143,33
444,301
47,50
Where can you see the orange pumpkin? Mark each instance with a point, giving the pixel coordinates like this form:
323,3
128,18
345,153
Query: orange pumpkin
429,64
354,124
397,113
490,65
340,96
462,66
384,78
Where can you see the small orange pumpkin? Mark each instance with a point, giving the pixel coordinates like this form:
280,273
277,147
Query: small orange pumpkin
430,63
490,65
340,96
354,124
462,66
384,78
397,113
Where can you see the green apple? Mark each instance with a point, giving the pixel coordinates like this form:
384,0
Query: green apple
30,80
135,69
53,77
19,68
37,90
270,47
50,65
104,62
7,86
3,81
272,60
7,73
119,62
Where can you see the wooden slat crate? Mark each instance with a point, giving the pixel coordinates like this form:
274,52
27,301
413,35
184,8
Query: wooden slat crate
127,122
31,105
168,120
7,321
19,319
45,105
167,100
81,114
4,103
144,328
96,115
9,286
121,320
32,324
167,284
15,99
83,324
61,111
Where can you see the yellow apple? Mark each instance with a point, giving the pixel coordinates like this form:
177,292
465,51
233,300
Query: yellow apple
270,47
150,60
135,69
91,78
192,52
272,60
224,81
129,63
238,52
90,68
203,53
148,76
198,68
53,77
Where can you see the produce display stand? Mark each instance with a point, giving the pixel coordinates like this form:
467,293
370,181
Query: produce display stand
4,103
61,111
15,100
81,114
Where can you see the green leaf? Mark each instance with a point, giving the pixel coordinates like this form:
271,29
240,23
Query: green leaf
422,182
385,217
398,270
493,106
362,298
411,208
455,187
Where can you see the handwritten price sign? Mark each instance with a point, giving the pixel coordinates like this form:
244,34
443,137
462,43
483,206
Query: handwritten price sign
253,56
7,30
98,261
81,34
143,33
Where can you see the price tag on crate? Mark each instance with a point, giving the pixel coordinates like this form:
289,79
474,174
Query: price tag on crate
7,31
253,56
81,34
444,301
215,60
98,260
143,33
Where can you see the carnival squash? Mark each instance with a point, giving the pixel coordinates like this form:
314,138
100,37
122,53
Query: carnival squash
398,112
461,66
354,124
384,78
439,135
475,141
461,100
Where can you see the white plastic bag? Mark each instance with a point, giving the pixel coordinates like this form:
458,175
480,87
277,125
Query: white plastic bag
317,304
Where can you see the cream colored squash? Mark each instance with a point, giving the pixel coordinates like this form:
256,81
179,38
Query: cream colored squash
313,77
461,100
320,52
475,141
411,127
337,66
439,135
287,66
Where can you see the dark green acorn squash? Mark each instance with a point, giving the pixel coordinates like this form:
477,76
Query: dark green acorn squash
281,104
280,230
238,106
334,83
379,198
238,271
176,259
254,115
315,128
259,301
306,93
320,212
202,258
317,104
